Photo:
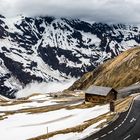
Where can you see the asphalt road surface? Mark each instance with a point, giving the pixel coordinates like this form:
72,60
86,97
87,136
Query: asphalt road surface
126,127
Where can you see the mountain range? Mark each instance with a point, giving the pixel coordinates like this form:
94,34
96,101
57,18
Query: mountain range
45,49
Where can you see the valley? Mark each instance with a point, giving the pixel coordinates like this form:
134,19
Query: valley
63,115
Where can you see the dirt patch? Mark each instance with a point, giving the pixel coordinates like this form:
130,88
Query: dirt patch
14,102
55,107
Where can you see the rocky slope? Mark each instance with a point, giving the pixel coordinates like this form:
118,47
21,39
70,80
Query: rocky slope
119,72
50,49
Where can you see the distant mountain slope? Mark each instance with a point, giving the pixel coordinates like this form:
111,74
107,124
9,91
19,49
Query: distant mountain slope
124,70
49,49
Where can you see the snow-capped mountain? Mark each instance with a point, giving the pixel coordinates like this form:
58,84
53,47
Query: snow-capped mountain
49,49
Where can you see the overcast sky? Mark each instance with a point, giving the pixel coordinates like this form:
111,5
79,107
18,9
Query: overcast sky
114,11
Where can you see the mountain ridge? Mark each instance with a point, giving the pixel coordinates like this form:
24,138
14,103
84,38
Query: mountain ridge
122,71
47,49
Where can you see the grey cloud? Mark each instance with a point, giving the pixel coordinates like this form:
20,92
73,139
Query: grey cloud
111,11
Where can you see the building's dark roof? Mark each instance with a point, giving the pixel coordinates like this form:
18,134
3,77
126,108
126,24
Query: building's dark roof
98,90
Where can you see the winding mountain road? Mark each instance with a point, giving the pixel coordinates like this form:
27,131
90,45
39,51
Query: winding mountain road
126,127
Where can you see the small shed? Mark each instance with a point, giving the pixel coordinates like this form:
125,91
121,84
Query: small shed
98,94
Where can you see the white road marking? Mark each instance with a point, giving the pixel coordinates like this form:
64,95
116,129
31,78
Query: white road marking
115,128
110,132
103,135
96,139
127,137
119,125
129,109
133,119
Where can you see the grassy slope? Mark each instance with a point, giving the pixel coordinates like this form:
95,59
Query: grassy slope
121,71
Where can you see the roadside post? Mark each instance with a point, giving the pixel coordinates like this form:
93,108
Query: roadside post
47,132
112,106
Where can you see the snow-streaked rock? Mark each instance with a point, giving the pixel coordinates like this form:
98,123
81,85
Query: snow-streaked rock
45,49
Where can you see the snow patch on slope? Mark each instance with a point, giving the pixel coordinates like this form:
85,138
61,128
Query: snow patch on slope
78,136
27,126
43,88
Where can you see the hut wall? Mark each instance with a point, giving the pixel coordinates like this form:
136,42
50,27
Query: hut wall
100,99
111,96
94,98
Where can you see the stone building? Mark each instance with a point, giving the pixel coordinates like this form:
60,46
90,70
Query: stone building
99,95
